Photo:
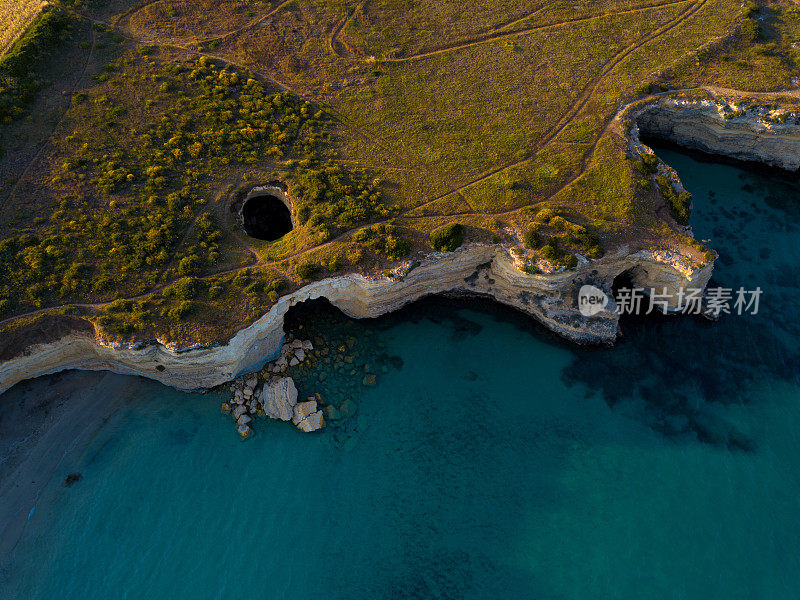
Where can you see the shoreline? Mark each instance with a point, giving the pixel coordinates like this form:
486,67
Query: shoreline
488,270
70,416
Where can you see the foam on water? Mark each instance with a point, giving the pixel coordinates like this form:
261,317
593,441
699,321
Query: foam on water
490,461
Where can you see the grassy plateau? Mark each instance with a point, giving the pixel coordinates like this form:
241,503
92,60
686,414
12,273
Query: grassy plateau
130,133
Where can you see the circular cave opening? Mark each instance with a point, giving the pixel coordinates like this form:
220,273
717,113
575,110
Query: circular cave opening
266,217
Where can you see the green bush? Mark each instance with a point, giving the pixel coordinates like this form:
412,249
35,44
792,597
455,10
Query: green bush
447,238
189,265
307,270
396,248
550,250
187,288
531,237
19,85
679,204
183,310
120,305
751,31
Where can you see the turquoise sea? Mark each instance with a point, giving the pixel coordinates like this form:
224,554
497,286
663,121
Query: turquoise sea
491,460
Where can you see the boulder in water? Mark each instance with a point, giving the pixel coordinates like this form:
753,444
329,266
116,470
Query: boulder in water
279,398
312,422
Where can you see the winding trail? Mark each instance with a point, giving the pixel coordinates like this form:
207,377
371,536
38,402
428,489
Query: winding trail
38,154
501,35
580,103
566,119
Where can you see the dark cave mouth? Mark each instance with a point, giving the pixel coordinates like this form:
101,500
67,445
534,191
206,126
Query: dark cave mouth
266,217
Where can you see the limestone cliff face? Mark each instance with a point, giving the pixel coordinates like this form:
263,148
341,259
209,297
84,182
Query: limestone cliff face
751,134
488,270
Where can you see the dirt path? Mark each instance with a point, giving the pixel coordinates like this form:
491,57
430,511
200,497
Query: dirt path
501,35
45,141
580,103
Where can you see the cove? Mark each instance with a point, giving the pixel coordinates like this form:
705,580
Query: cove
491,460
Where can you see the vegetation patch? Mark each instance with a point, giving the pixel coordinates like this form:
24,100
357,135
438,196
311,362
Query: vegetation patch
18,81
447,238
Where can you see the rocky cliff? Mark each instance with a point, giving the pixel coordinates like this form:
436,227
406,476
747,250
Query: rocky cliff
482,269
742,131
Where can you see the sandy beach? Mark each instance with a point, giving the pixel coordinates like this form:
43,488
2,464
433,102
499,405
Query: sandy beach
41,422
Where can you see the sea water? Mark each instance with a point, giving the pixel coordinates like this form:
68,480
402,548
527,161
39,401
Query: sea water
491,460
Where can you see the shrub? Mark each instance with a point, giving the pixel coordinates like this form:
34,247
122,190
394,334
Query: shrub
307,270
447,238
120,305
650,162
186,288
396,248
531,237
550,250
751,31
570,261
189,265
183,310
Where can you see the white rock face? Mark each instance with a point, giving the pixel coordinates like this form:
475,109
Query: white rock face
307,417
279,398
312,422
303,409
483,269
702,125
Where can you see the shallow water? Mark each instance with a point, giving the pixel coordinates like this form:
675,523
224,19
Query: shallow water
490,460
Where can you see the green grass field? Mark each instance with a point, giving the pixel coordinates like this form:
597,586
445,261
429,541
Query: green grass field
387,120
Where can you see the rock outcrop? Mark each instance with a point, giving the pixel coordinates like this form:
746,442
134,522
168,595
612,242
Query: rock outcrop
307,417
279,398
488,270
750,133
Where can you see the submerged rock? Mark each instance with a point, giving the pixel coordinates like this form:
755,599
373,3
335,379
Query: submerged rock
243,430
303,409
312,422
279,398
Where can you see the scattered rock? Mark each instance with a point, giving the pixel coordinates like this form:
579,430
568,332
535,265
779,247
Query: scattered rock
302,410
348,408
244,431
370,380
332,413
72,478
239,411
244,420
312,422
226,408
279,398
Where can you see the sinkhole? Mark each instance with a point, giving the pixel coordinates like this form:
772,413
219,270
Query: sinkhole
266,217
